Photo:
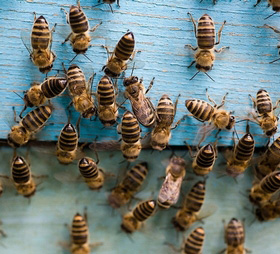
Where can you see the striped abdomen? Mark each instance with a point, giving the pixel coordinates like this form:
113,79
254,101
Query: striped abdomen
273,151
204,160
144,210
194,243
165,110
205,32
79,231
35,119
68,138
76,80
78,20
40,35
53,86
271,183
20,170
264,104
234,233
195,198
135,177
200,109
125,46
88,168
130,128
105,91
245,148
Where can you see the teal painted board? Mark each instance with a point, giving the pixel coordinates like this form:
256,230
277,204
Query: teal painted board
161,30
38,226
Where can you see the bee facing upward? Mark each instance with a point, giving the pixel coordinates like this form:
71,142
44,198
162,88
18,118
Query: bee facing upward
30,124
134,220
117,60
38,94
67,145
235,237
133,180
266,118
41,40
141,105
78,21
161,133
188,214
205,35
170,189
107,107
22,178
131,134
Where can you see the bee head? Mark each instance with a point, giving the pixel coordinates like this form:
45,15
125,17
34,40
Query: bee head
89,112
259,214
276,8
271,132
231,122
130,80
204,60
109,72
203,68
46,69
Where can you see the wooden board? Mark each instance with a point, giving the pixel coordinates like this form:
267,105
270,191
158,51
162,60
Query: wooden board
161,30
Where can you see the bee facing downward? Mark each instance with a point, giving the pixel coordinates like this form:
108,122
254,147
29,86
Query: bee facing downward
205,35
78,21
41,40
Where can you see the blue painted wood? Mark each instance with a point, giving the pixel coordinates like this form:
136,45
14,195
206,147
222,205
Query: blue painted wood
161,29
38,226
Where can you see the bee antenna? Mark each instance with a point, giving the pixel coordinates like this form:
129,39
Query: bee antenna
111,8
194,75
209,76
87,57
275,60
270,15
18,95
97,4
73,58
132,69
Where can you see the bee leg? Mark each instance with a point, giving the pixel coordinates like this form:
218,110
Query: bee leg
190,149
78,126
214,1
108,51
15,115
24,108
34,13
223,101
176,103
95,27
194,24
254,101
79,4
67,39
276,30
276,104
191,47
118,3
191,64
178,122
150,86
220,33
211,100
221,49
258,1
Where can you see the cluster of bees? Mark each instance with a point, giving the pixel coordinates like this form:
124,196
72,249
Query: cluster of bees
160,119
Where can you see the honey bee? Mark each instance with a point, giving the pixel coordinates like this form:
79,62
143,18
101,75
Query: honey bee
38,94
275,6
204,161
241,155
117,61
269,161
133,221
130,131
92,174
262,191
166,112
107,107
188,214
205,35
41,41
204,112
170,189
194,242
133,180
80,235
79,36
30,124
22,178
235,237
67,145
267,120
142,106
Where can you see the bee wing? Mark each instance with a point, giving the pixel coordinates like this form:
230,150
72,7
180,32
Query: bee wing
203,132
67,177
206,211
105,145
25,36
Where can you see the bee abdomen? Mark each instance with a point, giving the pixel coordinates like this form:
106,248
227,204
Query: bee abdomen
165,109
35,119
144,210
205,32
235,233
20,170
76,80
274,149
78,20
40,35
195,198
68,139
130,128
264,104
125,46
245,148
79,230
271,182
106,91
53,86
194,242
200,109
88,168
206,156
